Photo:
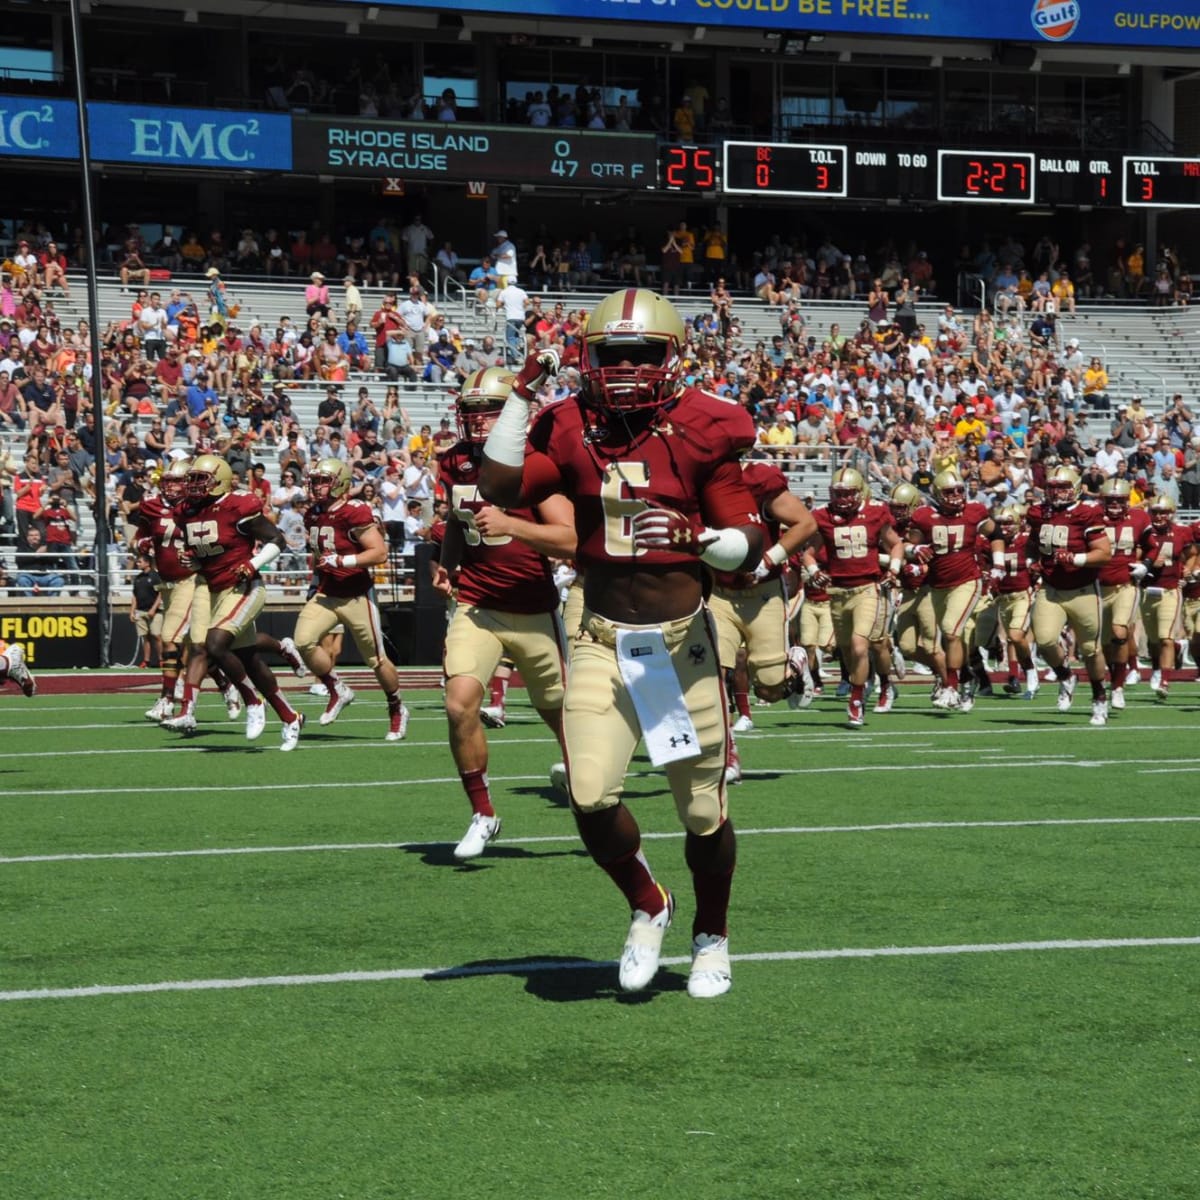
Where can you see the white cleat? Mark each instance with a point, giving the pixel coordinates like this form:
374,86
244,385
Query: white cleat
733,770
18,672
318,689
1155,680
710,975
233,702
743,724
798,662
177,694
291,732
947,698
1118,699
492,715
966,702
160,711
887,699
184,723
397,725
256,720
343,697
1099,713
558,778
1066,693
480,831
287,648
639,956
1133,678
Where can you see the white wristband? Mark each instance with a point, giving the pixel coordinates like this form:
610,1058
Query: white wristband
267,555
998,560
777,555
724,549
895,565
506,442
811,571
348,560
1080,560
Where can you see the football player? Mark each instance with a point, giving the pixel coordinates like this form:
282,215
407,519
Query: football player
814,622
12,666
1119,579
853,535
1163,548
1014,604
495,564
943,536
185,602
652,467
347,542
750,609
221,530
1190,578
916,631
1068,544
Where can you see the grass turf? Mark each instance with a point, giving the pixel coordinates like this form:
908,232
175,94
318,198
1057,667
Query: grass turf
1020,1074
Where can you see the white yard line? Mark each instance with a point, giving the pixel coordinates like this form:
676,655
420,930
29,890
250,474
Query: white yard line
521,969
781,830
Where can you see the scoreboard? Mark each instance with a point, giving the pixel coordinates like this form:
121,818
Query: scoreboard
882,172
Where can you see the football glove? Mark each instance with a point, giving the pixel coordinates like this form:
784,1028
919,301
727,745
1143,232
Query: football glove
537,369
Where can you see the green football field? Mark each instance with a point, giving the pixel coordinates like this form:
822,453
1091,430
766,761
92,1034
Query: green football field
966,964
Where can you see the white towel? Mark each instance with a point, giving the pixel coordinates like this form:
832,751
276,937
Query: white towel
649,674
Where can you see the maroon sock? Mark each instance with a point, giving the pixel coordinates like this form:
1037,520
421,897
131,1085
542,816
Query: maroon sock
856,693
247,693
219,677
189,698
283,710
475,784
952,678
1098,692
741,701
1120,671
712,903
393,702
498,691
330,681
631,873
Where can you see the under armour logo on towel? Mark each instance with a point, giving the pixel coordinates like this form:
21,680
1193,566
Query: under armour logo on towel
696,653
682,740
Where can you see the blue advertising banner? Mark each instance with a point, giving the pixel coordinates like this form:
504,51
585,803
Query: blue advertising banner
33,128
190,137
154,135
1173,24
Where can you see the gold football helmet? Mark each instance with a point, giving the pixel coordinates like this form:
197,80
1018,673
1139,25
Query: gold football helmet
632,351
1162,512
174,480
1008,521
1062,486
330,480
209,477
846,491
949,492
904,501
479,402
1114,495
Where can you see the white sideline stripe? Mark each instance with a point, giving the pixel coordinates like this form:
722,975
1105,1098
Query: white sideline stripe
341,847
467,972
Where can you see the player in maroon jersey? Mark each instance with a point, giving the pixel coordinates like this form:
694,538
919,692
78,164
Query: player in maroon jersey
222,531
853,535
1014,604
750,608
943,536
1120,578
652,468
1190,592
1163,546
494,563
915,631
813,623
1068,545
347,542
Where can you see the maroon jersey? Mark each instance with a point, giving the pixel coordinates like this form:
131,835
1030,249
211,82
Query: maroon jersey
765,483
215,536
1073,529
1163,551
494,572
1125,535
1016,568
331,530
686,460
953,540
160,523
852,544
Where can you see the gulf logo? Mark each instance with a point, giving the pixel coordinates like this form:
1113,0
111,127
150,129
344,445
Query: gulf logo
1055,20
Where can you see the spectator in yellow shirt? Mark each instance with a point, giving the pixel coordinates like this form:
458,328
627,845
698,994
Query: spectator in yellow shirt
1095,384
781,437
1063,292
970,428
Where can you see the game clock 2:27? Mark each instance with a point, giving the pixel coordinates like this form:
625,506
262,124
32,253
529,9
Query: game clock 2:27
985,176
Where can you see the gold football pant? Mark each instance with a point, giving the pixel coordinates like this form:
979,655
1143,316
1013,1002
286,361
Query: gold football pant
755,617
322,615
